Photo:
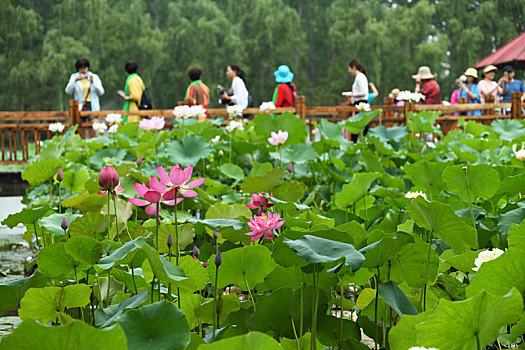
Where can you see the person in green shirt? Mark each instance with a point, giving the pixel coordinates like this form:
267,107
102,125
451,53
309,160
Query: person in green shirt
132,93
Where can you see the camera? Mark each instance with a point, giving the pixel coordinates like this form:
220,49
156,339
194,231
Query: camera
221,90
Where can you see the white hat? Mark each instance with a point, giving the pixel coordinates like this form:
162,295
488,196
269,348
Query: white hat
423,73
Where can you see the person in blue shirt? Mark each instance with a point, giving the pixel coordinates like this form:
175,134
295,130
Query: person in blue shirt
510,85
470,90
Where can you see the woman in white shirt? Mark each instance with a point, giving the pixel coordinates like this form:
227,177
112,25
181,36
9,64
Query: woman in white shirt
360,86
240,93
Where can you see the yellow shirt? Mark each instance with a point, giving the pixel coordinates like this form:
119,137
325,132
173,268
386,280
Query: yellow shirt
135,89
85,90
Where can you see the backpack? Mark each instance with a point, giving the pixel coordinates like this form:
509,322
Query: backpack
145,101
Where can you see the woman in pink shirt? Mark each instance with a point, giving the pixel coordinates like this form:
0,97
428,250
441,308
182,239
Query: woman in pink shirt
488,86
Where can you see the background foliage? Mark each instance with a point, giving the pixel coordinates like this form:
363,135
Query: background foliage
41,40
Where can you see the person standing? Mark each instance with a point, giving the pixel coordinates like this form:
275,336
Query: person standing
285,93
133,91
470,90
509,84
426,85
488,87
240,92
197,91
359,92
85,86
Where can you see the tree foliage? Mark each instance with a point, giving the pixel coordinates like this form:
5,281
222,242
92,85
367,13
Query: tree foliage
41,40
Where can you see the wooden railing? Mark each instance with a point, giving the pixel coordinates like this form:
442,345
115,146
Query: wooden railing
20,130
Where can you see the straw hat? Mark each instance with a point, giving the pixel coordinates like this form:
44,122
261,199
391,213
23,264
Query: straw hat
471,72
490,68
423,73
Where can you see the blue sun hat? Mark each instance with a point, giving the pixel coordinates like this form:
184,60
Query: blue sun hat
283,74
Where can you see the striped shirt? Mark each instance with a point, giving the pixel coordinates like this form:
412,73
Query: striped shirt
199,92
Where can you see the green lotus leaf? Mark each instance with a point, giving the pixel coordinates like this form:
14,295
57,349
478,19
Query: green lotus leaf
243,267
106,317
27,216
320,250
508,130
76,334
186,152
232,171
45,304
264,124
481,180
53,222
41,171
252,341
444,224
397,300
355,190
54,262
156,326
470,323
12,292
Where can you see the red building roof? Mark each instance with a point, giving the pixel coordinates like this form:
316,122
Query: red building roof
512,52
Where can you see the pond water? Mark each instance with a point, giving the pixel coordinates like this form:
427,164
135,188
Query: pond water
14,251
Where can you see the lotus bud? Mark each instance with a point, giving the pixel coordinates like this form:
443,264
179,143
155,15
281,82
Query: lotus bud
64,224
218,259
215,234
290,167
196,251
108,178
139,161
169,242
60,175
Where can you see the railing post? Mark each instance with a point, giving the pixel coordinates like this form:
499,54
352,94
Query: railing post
515,105
74,112
387,113
461,101
410,107
300,107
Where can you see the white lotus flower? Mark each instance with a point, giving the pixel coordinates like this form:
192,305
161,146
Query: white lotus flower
266,107
182,112
431,144
100,127
363,107
114,118
486,255
234,124
215,139
404,95
113,128
417,96
56,127
234,111
197,111
415,194
520,155
410,96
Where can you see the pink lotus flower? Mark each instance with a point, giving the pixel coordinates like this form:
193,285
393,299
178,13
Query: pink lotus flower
155,123
264,225
279,138
109,180
260,202
153,196
177,181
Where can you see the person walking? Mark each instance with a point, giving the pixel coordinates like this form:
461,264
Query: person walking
132,93
240,92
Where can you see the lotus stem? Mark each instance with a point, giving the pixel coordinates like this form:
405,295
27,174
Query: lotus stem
133,278
109,282
341,320
59,199
469,198
109,216
315,307
216,321
375,308
116,218
36,235
157,228
249,291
